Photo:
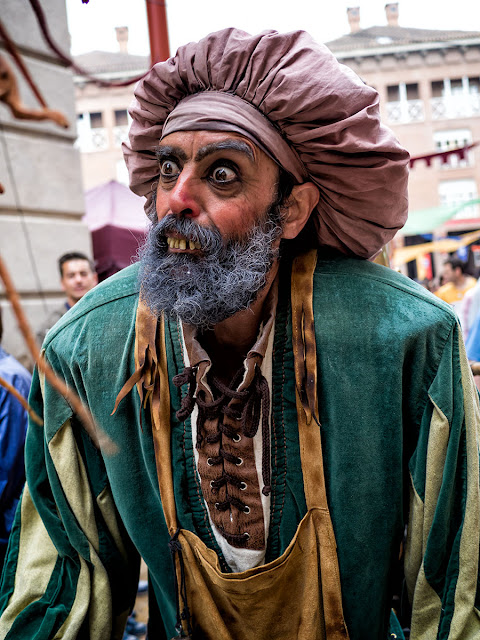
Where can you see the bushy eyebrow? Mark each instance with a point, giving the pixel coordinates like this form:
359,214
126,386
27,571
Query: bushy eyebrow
224,145
169,151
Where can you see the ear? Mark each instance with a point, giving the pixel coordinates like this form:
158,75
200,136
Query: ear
302,201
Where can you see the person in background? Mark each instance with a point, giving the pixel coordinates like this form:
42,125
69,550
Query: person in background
456,282
13,429
77,277
468,309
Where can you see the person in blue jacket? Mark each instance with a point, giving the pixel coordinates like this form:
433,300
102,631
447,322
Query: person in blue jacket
13,429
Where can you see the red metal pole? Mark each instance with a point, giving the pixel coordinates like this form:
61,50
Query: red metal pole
158,30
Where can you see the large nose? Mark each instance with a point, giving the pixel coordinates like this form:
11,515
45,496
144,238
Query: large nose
184,197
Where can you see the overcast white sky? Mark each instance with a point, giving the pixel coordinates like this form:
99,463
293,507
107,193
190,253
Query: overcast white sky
92,26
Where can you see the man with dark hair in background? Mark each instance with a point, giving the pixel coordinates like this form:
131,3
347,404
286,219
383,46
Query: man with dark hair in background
456,282
77,277
13,428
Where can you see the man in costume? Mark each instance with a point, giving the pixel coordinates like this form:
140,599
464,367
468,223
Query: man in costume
281,406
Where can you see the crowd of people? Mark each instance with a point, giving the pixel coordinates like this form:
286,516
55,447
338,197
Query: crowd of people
456,286
295,427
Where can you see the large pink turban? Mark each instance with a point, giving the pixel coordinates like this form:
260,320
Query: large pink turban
291,97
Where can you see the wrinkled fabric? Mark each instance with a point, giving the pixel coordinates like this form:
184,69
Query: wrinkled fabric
326,114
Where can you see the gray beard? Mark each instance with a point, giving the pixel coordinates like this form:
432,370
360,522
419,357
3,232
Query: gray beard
203,290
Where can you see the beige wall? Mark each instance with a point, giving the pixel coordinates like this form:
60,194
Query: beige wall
99,167
422,67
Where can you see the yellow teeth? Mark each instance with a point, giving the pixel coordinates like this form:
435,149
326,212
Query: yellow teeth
182,243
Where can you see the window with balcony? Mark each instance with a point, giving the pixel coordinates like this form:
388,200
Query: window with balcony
404,104
454,139
412,91
438,88
121,117
92,135
474,86
393,93
120,130
96,120
455,98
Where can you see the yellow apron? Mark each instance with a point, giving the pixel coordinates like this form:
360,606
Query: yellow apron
298,595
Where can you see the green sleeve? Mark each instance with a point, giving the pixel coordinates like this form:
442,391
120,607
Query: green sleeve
442,553
71,570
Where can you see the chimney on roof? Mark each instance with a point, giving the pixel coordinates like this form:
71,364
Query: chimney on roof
353,14
122,38
391,11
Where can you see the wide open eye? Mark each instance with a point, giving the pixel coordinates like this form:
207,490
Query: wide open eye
222,175
169,170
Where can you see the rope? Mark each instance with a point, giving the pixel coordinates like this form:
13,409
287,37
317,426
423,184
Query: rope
175,548
11,389
13,51
42,22
16,198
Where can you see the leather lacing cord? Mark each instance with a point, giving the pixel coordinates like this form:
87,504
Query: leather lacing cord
176,549
251,403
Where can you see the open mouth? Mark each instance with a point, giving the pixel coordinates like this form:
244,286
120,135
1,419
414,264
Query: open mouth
182,243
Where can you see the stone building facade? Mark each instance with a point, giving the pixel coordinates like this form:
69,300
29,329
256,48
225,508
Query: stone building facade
102,117
429,86
42,206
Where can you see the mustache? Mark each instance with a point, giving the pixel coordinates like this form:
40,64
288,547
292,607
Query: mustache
209,237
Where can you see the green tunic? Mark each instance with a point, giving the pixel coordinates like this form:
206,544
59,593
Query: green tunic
399,416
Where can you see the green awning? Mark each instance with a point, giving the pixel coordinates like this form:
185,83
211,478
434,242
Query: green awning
427,220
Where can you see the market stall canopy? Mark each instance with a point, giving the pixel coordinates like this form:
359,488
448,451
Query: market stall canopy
402,255
117,222
427,220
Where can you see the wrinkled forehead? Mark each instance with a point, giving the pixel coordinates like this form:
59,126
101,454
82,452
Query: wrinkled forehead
198,144
224,112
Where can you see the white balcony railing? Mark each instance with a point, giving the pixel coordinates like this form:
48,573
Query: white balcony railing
456,106
405,111
92,140
120,134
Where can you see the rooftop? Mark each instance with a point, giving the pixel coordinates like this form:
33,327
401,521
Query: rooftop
389,35
108,62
